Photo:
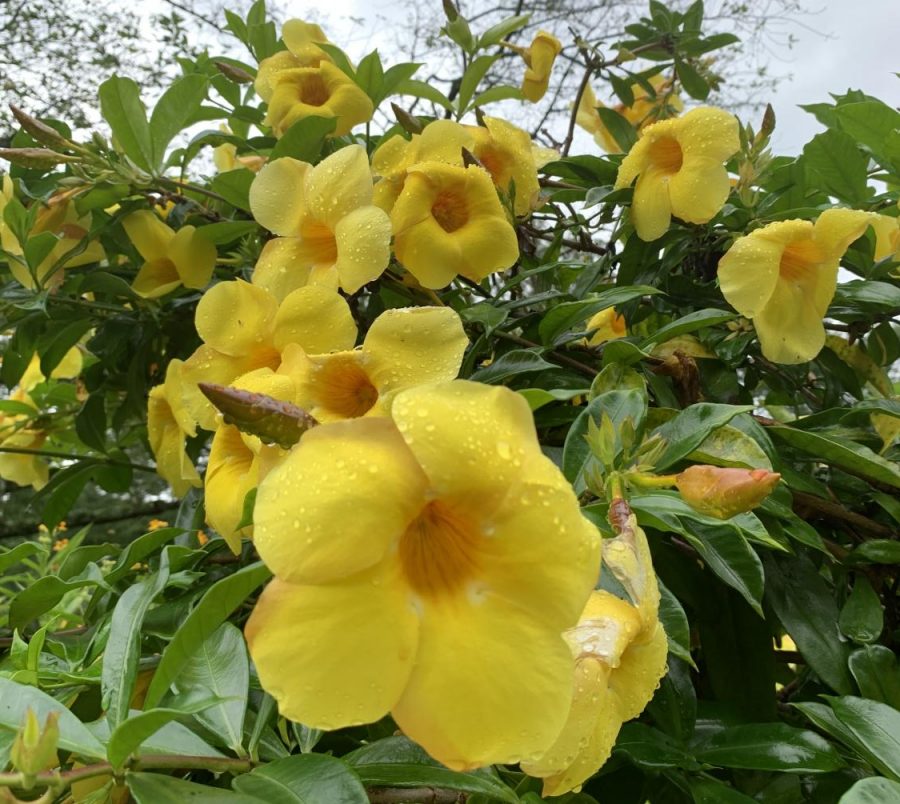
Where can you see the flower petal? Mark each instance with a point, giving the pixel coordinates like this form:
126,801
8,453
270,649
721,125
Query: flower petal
363,239
836,229
280,268
316,318
708,132
194,257
334,655
699,190
156,278
302,528
651,210
236,318
148,233
277,195
232,472
338,185
790,326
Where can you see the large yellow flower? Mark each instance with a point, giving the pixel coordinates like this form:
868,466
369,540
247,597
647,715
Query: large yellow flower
337,235
302,40
784,276
447,221
244,328
168,424
59,217
402,349
413,563
680,171
539,57
185,257
642,112
887,237
620,651
321,91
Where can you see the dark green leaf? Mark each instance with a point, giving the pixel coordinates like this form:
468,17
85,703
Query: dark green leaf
769,747
304,139
304,779
877,728
42,595
699,319
155,788
690,428
516,361
862,618
877,674
618,126
567,316
838,165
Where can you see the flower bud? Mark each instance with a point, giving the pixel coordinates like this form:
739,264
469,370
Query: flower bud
34,750
44,134
39,158
724,493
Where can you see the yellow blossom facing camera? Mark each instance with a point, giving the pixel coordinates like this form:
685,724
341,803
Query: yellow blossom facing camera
783,277
607,325
402,349
413,560
642,112
337,236
620,651
322,91
680,170
171,259
539,57
302,40
448,221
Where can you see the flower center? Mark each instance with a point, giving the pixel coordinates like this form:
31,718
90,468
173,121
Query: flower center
320,242
312,90
439,550
344,388
496,163
800,260
450,211
666,155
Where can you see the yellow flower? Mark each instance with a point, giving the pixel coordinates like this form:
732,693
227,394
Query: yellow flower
539,57
322,91
440,141
225,157
642,112
302,40
620,653
157,524
784,276
679,169
338,236
185,257
168,424
887,237
402,349
447,221
59,217
412,563
244,328
607,325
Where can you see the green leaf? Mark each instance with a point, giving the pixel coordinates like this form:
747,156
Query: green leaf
837,165
694,83
220,600
618,126
874,790
16,699
709,791
862,618
16,555
123,647
90,422
565,317
769,747
700,319
54,348
304,779
44,593
220,234
873,124
155,788
495,94
877,728
234,187
170,738
421,89
471,78
650,748
502,30
675,624
138,549
538,397
877,673
122,108
691,427
728,446
303,140
516,361
370,76
174,111
220,667
398,762
877,551
806,608
842,452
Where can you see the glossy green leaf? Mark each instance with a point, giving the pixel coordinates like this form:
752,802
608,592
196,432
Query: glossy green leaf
569,315
304,779
304,139
156,788
45,593
516,361
877,673
174,111
874,790
769,747
862,618
877,728
690,428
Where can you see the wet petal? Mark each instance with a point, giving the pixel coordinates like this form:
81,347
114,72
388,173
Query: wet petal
236,318
651,210
316,318
232,472
194,257
836,229
363,239
790,326
699,190
708,132
148,233
277,197
281,268
338,185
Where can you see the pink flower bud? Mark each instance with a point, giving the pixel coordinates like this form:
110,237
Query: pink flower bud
724,493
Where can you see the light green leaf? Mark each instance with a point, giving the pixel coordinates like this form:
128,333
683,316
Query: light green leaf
122,108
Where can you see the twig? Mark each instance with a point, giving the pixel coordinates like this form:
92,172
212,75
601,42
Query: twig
832,510
552,353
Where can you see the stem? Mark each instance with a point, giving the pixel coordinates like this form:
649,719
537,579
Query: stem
647,481
45,453
414,795
557,356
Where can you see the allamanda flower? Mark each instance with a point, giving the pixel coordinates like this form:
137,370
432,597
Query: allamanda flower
402,349
539,57
169,423
784,275
620,651
413,561
680,171
337,235
302,40
607,325
186,257
447,221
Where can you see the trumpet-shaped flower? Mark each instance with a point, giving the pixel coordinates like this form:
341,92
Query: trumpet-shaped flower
244,328
539,57
321,91
784,275
436,547
58,217
607,325
642,112
186,257
620,651
402,349
887,237
447,221
338,236
168,424
302,40
680,171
